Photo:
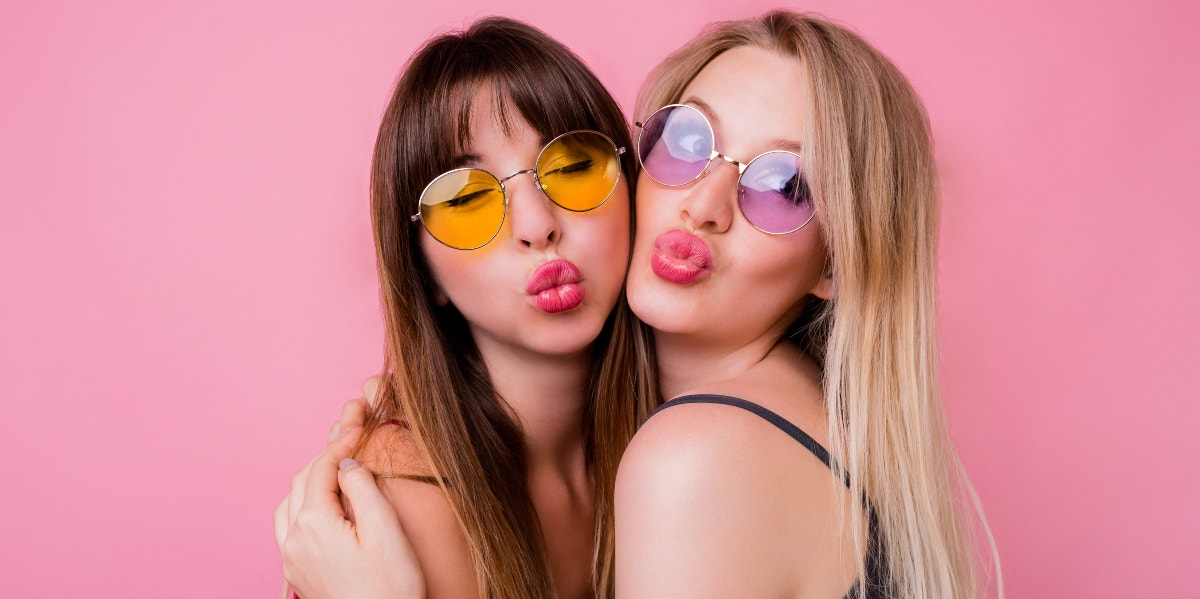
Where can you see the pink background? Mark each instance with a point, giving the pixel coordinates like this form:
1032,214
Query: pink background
187,289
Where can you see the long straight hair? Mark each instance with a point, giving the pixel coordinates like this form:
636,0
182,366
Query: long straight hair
434,377
869,159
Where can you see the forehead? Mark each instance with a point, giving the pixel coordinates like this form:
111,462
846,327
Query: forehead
494,135
754,96
486,113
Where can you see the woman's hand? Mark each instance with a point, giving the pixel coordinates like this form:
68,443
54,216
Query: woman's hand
328,553
354,413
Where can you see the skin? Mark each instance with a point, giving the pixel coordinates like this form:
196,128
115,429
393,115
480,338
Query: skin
538,363
713,501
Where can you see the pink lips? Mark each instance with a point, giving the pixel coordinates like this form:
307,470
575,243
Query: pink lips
554,287
680,257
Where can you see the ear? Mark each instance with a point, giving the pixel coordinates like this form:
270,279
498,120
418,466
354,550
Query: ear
439,297
826,287
437,294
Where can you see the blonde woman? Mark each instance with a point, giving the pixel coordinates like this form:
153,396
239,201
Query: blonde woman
785,257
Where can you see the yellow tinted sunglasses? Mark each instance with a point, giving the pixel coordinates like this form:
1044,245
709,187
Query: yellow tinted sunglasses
464,208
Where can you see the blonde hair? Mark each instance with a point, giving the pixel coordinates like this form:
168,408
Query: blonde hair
869,161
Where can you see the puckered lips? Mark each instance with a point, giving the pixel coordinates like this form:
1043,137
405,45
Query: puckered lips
555,287
680,257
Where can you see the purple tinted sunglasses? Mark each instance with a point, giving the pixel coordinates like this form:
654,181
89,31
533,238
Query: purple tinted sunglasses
676,146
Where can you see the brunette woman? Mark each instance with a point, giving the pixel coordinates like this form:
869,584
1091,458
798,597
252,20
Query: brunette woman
501,210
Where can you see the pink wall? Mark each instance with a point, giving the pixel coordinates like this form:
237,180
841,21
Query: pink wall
187,290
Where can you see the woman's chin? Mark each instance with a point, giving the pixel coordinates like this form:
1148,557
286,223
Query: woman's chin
661,312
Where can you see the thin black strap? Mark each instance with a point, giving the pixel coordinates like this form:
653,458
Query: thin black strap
779,421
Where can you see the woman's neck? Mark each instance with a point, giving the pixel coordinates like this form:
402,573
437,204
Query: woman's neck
547,395
686,363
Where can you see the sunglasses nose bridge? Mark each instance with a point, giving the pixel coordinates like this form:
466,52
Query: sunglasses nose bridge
504,188
537,184
741,168
522,172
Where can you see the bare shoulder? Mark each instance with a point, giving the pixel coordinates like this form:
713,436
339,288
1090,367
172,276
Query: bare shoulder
694,441
712,500
424,510
711,442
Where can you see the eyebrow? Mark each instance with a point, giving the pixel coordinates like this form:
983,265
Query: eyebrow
465,161
779,143
793,146
703,107
469,160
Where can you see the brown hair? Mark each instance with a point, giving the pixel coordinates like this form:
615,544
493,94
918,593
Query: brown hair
869,159
433,374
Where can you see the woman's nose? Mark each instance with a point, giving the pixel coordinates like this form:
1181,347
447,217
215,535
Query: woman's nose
534,222
710,200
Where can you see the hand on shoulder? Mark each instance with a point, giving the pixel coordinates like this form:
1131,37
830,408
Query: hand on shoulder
325,554
423,509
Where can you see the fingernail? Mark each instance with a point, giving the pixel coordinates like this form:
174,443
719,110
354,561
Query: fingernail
348,463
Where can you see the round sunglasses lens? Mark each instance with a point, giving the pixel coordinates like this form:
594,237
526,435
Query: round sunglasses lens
773,193
675,145
463,208
579,170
